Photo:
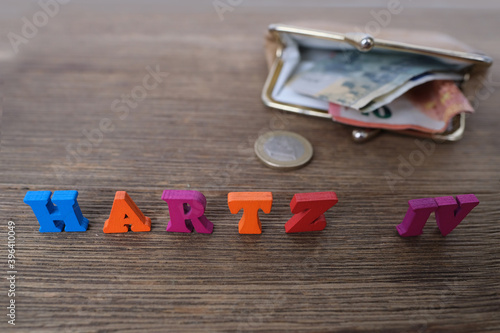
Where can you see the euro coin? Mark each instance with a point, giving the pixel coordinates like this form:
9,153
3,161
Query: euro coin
283,150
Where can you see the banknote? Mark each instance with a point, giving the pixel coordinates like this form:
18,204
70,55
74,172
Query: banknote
354,79
413,82
428,108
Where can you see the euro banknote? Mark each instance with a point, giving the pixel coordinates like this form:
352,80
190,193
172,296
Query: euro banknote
412,83
355,79
428,108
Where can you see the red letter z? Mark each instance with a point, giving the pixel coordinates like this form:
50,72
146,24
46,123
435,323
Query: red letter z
309,209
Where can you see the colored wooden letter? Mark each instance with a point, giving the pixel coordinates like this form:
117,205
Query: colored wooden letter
187,209
416,216
124,213
250,202
309,209
450,213
65,215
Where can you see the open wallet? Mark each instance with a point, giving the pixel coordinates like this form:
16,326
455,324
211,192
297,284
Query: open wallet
415,83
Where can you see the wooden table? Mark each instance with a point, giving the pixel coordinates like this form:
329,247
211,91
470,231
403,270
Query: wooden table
196,131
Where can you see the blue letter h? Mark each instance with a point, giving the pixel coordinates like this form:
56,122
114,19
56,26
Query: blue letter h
66,215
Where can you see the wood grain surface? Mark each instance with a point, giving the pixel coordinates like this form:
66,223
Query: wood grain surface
196,131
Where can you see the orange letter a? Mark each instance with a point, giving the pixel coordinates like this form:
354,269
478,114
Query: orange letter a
124,213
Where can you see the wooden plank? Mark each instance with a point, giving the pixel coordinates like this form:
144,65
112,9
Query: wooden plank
196,131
